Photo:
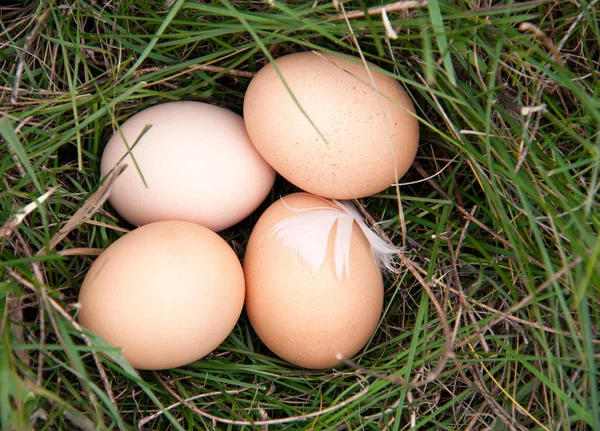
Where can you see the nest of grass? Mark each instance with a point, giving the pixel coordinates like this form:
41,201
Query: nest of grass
493,322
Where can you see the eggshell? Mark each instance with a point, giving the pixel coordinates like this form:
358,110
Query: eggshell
197,161
168,293
308,319
349,149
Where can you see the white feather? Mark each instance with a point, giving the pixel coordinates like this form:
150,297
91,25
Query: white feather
307,236
383,252
343,238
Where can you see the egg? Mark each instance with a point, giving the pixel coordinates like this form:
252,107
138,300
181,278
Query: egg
342,137
306,299
167,293
195,163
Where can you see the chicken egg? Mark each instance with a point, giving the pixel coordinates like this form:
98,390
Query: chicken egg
313,286
186,161
167,293
344,132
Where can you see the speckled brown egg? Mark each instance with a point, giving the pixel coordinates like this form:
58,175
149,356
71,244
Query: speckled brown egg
167,293
307,318
340,137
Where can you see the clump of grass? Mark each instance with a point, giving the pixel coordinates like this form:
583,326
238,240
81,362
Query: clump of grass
493,322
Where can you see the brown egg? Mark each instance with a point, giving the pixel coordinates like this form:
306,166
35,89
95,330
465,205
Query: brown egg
356,133
168,293
309,316
195,163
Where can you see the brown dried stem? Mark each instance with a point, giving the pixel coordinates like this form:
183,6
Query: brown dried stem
378,10
86,211
15,220
51,303
80,252
529,27
290,419
466,213
40,22
525,300
462,298
147,419
498,410
448,352
522,4
202,67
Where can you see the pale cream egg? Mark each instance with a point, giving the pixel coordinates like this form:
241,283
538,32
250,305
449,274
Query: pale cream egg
187,161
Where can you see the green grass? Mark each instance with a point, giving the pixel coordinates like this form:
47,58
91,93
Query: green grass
505,239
